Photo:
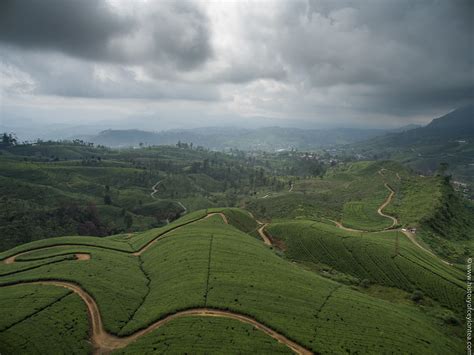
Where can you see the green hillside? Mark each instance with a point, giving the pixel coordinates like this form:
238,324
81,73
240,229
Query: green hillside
51,189
210,264
447,139
385,258
352,194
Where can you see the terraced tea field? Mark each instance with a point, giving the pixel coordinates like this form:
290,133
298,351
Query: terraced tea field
199,274
386,258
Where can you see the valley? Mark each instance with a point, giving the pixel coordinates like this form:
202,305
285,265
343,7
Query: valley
333,272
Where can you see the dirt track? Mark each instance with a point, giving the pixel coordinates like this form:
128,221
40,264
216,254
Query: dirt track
409,235
264,235
412,238
104,342
155,190
385,203
86,256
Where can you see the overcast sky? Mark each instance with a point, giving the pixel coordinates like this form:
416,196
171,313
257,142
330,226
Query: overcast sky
169,64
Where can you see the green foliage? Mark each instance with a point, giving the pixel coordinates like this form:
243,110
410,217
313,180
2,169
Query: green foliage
363,215
21,302
100,276
59,327
386,258
208,335
209,263
46,188
238,218
417,296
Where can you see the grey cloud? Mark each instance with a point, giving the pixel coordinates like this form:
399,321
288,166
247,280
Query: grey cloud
170,34
387,54
80,28
58,75
317,59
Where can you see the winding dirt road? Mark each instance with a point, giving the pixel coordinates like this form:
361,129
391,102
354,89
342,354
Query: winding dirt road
104,342
263,234
412,238
86,256
155,190
385,203
79,256
409,235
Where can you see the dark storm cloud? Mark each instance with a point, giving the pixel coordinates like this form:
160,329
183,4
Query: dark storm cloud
396,55
80,28
172,34
321,60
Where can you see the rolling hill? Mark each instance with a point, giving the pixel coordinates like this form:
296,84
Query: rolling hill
225,138
203,273
447,139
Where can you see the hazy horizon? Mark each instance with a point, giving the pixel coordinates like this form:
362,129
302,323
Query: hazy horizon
148,65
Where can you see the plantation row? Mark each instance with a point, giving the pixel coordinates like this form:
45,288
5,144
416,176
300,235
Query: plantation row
211,264
386,258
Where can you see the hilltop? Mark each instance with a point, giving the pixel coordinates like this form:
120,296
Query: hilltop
203,273
447,139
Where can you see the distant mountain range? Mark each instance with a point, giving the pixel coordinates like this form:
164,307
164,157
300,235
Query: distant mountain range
447,139
223,138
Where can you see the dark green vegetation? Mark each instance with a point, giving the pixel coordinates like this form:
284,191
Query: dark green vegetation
448,139
226,336
61,315
211,264
340,277
351,194
54,189
385,258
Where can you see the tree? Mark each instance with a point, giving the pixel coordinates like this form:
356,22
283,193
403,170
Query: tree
442,168
8,140
128,220
107,199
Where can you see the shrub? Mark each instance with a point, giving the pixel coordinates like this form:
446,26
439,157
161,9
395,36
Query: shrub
417,296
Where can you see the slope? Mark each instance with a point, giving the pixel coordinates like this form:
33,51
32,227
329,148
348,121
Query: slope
207,263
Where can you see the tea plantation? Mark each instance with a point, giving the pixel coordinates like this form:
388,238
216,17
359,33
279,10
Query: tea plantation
201,262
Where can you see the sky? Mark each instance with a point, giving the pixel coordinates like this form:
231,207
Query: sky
156,65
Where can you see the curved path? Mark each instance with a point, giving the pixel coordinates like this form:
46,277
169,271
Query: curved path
385,203
79,256
104,342
412,238
263,234
155,190
86,256
409,235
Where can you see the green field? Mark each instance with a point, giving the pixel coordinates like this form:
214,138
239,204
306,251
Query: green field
319,285
208,263
40,319
206,335
385,258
